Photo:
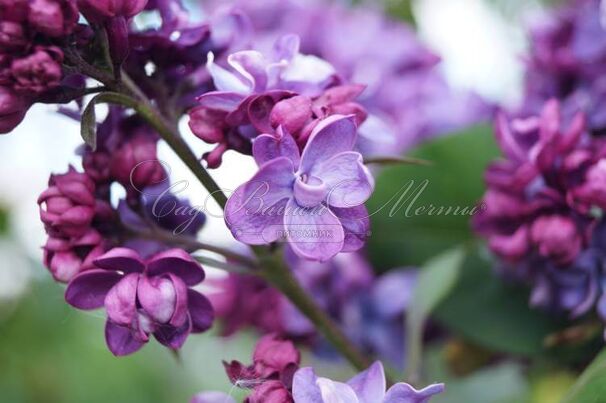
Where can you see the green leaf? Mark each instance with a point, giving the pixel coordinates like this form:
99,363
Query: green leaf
591,385
403,234
88,127
491,313
436,279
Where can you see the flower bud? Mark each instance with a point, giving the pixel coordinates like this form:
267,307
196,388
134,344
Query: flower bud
12,110
38,72
55,18
12,36
135,165
67,207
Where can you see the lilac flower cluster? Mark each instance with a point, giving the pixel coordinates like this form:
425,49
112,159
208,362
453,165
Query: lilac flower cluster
544,202
308,110
30,60
540,215
275,377
406,99
371,309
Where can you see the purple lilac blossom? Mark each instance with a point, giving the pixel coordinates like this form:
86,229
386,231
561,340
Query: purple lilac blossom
260,92
541,203
143,298
366,387
314,200
407,99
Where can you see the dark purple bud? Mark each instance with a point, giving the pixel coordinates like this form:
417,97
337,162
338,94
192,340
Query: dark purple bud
101,10
55,18
38,72
117,36
135,164
12,110
12,36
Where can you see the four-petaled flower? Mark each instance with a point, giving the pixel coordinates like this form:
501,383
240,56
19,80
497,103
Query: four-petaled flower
315,201
143,298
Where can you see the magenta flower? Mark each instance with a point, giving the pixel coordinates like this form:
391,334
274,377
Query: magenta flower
366,387
12,110
143,298
315,201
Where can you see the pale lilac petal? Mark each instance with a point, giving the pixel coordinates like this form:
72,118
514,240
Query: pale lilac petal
221,101
315,234
331,136
177,262
88,289
269,147
200,310
336,391
404,393
258,205
226,81
304,387
349,182
369,385
251,221
286,47
121,259
252,65
173,337
212,397
356,226
120,340
121,300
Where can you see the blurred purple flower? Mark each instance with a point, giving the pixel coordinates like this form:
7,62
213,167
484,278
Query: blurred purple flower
320,192
537,199
366,387
566,59
143,298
